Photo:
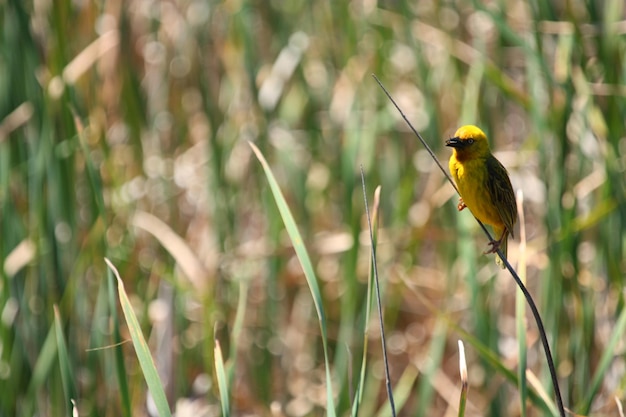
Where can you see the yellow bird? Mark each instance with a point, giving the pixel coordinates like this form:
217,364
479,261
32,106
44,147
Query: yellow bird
484,185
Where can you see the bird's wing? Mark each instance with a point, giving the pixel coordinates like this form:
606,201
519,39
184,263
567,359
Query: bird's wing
501,190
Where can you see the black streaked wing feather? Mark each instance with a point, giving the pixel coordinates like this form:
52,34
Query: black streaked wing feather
502,193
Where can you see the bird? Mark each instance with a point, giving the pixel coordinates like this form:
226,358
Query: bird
484,185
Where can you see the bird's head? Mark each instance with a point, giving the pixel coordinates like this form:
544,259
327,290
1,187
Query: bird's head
469,141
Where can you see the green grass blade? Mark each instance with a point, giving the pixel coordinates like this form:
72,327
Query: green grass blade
141,348
69,386
605,361
307,266
120,366
41,370
222,383
237,328
368,308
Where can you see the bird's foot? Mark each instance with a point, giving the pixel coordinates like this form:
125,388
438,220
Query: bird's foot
495,245
461,205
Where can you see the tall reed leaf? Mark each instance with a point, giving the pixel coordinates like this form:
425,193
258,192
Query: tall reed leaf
141,348
67,379
307,266
222,383
605,361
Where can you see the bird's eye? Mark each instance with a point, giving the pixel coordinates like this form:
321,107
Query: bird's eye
470,141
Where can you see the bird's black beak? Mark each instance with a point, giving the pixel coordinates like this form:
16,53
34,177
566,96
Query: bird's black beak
454,143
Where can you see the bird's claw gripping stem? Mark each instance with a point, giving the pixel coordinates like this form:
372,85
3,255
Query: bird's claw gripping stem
495,245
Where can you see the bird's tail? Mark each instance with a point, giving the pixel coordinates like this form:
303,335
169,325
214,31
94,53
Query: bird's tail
502,248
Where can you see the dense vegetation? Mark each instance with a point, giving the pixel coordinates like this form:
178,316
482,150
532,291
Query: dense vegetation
125,130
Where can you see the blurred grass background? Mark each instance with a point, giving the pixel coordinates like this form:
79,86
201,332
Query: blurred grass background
124,133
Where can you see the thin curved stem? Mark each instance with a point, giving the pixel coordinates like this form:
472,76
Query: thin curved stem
380,308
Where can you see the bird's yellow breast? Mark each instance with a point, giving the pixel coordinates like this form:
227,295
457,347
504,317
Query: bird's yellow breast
471,178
